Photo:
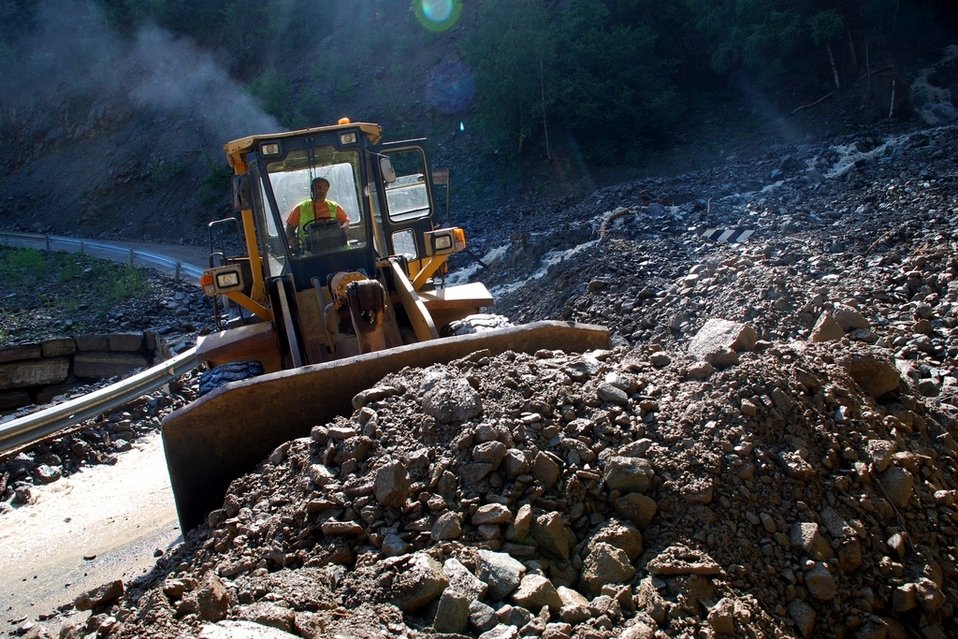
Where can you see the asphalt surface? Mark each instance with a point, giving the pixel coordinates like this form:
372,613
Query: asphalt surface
102,524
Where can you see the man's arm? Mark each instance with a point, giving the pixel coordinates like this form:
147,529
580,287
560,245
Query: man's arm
342,217
292,224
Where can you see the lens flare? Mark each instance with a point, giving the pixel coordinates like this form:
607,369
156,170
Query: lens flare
437,15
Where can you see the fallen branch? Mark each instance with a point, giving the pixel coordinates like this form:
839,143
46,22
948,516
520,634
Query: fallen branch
604,227
867,75
811,104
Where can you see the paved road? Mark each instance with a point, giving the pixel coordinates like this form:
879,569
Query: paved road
197,255
99,525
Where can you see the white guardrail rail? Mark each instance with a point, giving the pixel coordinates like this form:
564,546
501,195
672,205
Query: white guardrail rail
35,426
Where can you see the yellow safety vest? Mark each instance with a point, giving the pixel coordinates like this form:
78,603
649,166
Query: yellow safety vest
307,214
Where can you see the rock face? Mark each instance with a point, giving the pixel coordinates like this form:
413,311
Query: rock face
783,487
34,373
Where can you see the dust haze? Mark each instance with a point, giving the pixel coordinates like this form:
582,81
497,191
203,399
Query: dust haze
72,56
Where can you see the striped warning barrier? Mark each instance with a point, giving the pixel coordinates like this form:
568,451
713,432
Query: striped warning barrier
728,235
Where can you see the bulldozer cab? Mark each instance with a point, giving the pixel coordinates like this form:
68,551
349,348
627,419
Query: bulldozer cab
371,232
384,190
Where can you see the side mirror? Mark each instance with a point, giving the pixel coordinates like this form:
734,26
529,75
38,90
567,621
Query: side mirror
386,168
242,192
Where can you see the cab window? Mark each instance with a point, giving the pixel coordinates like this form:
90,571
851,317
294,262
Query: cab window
408,197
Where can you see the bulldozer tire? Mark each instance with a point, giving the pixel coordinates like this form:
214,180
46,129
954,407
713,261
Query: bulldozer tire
232,372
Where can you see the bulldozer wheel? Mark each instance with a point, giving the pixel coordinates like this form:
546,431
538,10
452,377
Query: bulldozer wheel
234,371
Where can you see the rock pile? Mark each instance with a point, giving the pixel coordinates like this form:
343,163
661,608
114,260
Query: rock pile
768,451
878,235
802,489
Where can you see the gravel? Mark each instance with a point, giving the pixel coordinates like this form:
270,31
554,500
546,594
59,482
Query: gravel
767,451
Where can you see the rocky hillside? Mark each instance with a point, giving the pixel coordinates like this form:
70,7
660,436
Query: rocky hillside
767,451
119,134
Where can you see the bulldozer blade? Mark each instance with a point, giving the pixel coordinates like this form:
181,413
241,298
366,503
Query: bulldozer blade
226,433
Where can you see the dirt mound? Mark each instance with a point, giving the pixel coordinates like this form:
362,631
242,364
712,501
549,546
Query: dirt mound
769,449
786,495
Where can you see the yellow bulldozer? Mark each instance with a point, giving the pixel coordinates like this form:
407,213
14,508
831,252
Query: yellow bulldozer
340,280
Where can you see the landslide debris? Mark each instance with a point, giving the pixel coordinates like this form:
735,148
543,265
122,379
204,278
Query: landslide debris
583,495
768,451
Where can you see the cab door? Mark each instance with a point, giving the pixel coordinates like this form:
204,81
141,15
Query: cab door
406,200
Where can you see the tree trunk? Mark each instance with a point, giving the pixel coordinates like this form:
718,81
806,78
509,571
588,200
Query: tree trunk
851,52
831,58
542,98
891,104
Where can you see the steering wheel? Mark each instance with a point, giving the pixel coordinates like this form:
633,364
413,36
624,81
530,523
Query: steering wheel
319,223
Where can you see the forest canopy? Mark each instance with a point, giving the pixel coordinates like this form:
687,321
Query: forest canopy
614,75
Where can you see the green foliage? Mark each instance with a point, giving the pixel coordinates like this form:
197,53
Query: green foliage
69,271
126,283
215,187
162,169
615,87
751,36
244,29
124,14
273,92
24,266
826,26
587,74
50,283
512,55
308,109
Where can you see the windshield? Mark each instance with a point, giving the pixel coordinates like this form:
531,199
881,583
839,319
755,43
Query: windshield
314,225
292,187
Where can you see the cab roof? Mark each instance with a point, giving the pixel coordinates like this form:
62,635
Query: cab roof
236,148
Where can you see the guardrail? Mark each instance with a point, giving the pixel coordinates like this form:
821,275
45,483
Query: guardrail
102,249
35,426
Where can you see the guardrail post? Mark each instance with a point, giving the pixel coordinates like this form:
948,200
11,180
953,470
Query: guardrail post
176,275
46,242
82,246
131,257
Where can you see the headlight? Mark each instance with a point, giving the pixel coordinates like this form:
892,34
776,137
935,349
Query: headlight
228,279
445,241
222,279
